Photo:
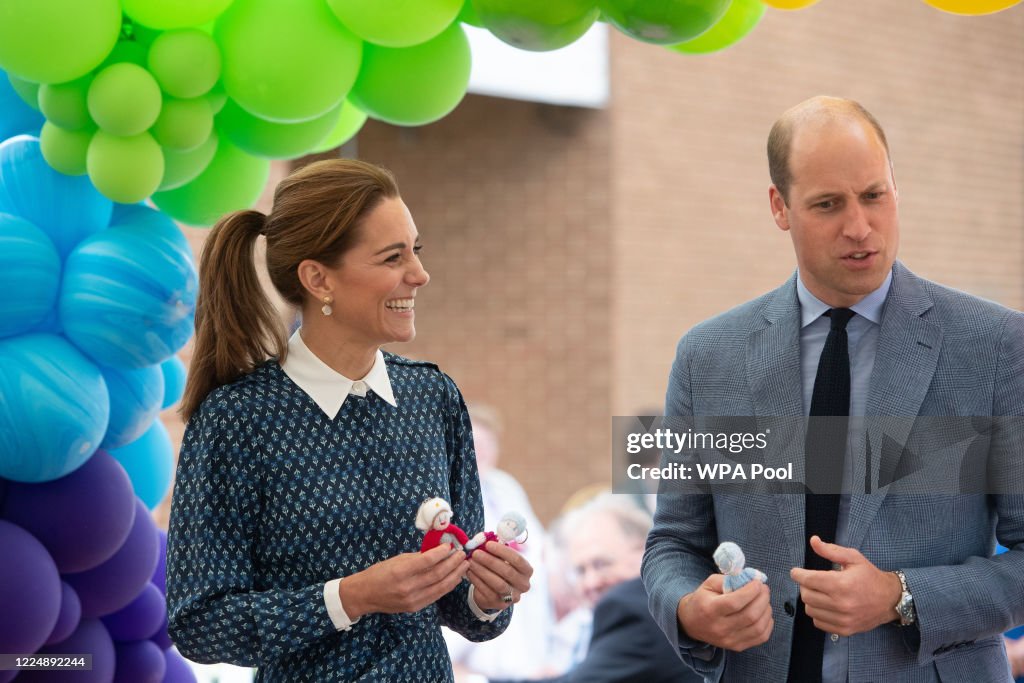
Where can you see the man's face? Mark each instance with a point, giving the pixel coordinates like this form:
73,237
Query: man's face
842,210
602,556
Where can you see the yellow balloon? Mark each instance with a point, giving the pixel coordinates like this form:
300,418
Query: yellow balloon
972,7
789,4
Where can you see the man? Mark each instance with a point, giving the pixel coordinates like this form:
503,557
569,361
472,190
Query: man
852,333
605,549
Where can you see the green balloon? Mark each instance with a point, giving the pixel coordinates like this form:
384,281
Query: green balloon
124,99
412,86
161,14
739,20
184,167
65,150
469,16
666,22
348,124
217,98
263,138
396,23
286,60
28,91
125,169
55,41
64,103
233,180
183,124
537,25
186,62
127,51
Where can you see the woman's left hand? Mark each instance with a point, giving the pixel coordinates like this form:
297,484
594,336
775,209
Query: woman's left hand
499,575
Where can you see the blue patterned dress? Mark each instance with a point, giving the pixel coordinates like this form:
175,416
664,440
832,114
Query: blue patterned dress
273,498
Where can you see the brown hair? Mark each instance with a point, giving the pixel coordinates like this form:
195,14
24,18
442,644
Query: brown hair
317,212
780,138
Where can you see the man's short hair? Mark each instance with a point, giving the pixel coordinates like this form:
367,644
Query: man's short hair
780,138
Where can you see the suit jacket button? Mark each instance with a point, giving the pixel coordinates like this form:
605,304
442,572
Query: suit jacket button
788,607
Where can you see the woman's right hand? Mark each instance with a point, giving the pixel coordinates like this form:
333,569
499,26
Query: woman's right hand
404,583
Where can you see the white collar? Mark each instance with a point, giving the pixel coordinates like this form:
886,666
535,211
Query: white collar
329,388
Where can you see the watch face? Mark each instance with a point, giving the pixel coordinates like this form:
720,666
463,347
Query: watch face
906,608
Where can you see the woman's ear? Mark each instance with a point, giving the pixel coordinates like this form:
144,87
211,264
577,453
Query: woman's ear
315,279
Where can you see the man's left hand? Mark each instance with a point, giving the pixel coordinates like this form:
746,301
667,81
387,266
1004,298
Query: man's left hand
856,599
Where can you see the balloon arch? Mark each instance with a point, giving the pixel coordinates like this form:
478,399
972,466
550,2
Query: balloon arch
105,104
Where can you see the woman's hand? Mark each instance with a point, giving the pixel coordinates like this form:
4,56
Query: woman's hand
404,583
499,575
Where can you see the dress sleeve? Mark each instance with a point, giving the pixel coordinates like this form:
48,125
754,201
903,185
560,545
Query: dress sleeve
216,610
467,504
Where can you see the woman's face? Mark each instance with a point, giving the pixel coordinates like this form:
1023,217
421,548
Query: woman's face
376,281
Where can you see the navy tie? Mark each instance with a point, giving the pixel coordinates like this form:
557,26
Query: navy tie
825,451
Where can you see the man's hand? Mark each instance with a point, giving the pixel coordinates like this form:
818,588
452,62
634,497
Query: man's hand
856,599
734,621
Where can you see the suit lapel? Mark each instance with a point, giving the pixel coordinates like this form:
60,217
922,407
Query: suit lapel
773,373
907,354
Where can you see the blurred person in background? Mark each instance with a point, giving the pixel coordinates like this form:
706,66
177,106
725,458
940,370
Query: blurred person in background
605,547
529,632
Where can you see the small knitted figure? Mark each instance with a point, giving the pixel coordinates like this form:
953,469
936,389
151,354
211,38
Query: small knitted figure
434,517
510,528
730,561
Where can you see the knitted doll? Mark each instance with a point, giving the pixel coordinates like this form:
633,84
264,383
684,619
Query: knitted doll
730,561
510,528
434,517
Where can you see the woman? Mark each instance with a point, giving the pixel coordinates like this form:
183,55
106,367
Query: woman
292,544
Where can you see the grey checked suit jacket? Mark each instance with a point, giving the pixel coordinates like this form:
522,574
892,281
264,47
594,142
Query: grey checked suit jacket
940,353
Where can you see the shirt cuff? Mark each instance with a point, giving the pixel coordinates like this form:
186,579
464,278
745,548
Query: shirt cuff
475,608
332,599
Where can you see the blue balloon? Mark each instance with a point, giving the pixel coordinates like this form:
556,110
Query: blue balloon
178,670
67,208
135,396
174,381
54,407
128,295
16,117
143,217
29,275
149,462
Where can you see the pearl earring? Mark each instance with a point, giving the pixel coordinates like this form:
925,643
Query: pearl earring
326,309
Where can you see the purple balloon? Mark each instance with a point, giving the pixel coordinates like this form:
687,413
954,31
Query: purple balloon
162,638
139,661
160,573
140,619
70,615
81,518
178,670
29,591
115,583
89,638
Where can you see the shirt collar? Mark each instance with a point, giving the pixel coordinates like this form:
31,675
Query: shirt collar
328,388
870,307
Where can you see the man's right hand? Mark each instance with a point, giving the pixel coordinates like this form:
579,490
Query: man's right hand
733,621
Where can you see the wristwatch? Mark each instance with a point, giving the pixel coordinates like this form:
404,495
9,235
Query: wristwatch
905,607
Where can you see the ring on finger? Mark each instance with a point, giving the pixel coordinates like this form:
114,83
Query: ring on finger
507,597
